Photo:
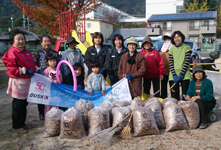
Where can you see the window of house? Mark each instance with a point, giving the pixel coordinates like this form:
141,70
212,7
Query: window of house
88,25
208,22
95,10
179,9
194,24
167,25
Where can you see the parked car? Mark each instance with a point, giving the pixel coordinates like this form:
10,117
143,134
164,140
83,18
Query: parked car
140,40
193,44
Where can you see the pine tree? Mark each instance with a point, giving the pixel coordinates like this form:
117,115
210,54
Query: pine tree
196,7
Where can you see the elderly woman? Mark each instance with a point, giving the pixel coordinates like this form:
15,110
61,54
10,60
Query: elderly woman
133,67
201,92
20,67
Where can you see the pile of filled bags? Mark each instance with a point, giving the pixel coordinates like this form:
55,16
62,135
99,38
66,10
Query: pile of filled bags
147,118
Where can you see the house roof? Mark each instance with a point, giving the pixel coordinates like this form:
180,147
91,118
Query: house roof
29,36
128,32
184,16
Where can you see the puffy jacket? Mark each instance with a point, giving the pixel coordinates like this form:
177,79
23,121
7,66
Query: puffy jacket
91,55
113,60
15,58
155,66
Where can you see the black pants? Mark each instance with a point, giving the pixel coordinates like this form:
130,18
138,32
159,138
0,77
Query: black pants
19,112
176,93
41,109
156,85
203,107
164,83
116,79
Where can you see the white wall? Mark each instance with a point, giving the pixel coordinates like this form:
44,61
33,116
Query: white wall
161,6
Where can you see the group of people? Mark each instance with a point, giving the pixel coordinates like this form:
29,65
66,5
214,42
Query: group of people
140,68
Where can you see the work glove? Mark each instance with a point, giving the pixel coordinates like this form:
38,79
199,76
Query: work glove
111,77
181,76
176,79
130,76
102,71
30,72
80,87
40,72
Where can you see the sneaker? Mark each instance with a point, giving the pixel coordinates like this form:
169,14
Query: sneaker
203,125
21,130
41,117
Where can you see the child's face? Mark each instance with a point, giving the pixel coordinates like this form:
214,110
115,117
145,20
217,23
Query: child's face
97,41
95,70
52,63
177,39
77,72
147,46
19,41
72,45
198,75
46,43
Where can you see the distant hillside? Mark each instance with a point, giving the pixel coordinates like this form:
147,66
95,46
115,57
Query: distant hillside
133,7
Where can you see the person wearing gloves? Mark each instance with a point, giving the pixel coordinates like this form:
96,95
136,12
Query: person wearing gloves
165,54
40,61
72,55
20,68
179,63
133,67
96,53
201,91
114,56
154,67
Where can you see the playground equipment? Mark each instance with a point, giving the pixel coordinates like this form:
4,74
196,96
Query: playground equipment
72,25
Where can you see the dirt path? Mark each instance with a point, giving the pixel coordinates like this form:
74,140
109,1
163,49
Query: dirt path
209,138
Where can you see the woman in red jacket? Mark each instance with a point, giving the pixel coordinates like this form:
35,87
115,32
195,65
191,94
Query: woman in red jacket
154,68
20,67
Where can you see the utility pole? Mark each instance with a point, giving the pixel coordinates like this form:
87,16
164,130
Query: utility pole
23,18
28,23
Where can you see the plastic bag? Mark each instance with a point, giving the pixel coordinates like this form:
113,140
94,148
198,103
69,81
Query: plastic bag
174,118
157,112
98,119
52,122
120,103
108,106
84,107
72,124
154,100
119,113
191,112
139,101
131,106
144,122
169,100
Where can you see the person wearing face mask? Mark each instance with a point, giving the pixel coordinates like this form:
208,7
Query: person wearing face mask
40,61
20,68
179,63
96,53
72,55
114,56
133,67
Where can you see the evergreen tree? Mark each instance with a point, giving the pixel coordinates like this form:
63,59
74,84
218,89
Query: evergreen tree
211,4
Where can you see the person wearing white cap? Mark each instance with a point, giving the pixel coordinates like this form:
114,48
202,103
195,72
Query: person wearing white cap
165,54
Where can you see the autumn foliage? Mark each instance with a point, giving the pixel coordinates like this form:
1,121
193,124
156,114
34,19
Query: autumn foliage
46,12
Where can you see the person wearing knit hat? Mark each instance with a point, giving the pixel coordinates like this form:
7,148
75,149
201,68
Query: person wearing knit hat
154,69
201,91
133,67
165,54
